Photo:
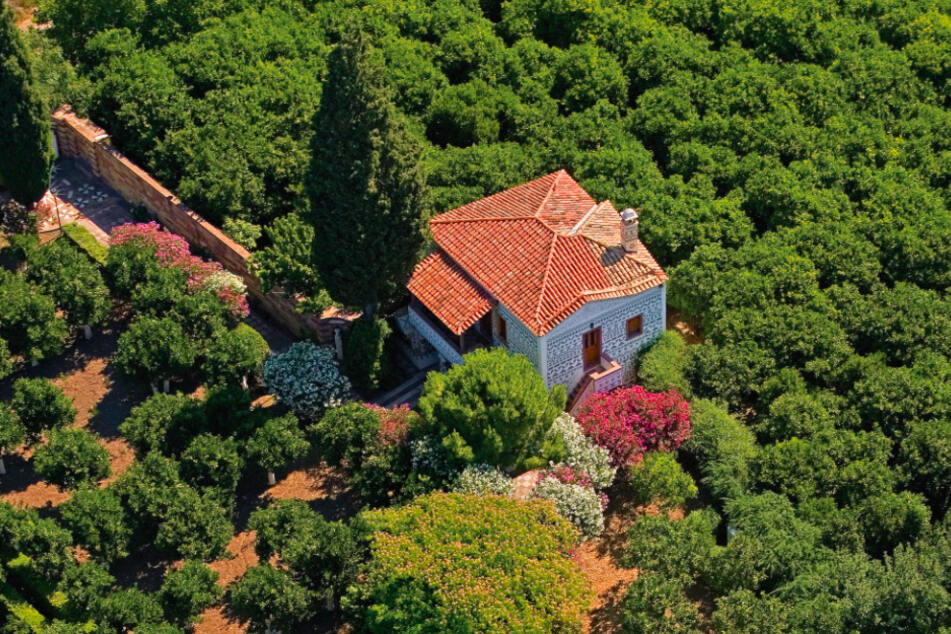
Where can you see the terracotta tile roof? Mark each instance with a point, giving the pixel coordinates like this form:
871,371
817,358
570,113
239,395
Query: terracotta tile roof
543,249
445,289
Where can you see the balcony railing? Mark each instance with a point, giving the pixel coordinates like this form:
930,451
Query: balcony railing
606,376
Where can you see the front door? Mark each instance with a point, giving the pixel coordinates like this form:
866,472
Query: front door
591,345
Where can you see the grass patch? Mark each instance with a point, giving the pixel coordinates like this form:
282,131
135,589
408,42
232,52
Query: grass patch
85,241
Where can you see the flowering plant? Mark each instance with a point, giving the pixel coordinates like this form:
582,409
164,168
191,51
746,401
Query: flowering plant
566,444
172,251
306,378
578,504
395,424
483,479
630,421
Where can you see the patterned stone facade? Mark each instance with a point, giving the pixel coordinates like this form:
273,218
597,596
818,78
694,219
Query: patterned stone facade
558,355
563,346
520,339
430,334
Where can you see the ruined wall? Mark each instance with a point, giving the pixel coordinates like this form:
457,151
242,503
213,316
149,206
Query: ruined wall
80,138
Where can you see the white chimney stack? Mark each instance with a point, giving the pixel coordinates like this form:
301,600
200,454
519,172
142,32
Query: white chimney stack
629,230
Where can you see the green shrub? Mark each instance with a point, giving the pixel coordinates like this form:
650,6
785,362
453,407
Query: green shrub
234,356
744,612
676,549
654,605
723,446
269,598
662,366
365,358
19,608
194,527
243,232
158,419
486,564
127,610
659,478
187,591
98,521
154,349
493,409
71,458
84,587
40,406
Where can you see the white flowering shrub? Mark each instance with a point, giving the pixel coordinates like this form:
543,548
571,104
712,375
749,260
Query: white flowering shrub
223,280
578,504
429,457
481,479
569,446
307,379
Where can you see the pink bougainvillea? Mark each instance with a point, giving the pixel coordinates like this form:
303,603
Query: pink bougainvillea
169,248
172,251
395,424
629,421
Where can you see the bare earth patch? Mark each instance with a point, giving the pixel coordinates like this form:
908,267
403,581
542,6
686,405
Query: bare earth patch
311,483
87,387
689,331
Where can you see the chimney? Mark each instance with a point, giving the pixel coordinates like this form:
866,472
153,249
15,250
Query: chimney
629,230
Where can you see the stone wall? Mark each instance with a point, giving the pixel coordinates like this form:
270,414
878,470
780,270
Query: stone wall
80,138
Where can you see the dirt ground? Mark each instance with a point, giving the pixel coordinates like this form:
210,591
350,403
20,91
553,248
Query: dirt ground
101,399
23,11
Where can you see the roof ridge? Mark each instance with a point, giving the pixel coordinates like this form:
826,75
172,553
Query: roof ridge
541,205
551,256
585,217
438,221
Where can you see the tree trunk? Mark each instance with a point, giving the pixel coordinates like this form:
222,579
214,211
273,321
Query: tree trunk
165,385
3,467
87,330
271,480
34,362
244,381
370,310
154,388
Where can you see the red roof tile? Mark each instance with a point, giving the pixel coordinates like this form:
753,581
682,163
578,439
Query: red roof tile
445,289
543,249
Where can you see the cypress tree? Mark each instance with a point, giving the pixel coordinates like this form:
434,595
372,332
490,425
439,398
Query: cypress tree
25,156
367,186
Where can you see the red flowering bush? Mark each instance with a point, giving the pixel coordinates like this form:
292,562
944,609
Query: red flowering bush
395,424
629,421
172,251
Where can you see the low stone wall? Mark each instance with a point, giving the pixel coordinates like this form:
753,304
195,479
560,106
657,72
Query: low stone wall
80,138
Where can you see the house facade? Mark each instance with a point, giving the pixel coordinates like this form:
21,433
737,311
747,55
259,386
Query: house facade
543,270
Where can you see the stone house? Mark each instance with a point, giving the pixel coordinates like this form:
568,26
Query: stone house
544,270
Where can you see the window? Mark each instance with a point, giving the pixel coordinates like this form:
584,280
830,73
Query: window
503,330
635,326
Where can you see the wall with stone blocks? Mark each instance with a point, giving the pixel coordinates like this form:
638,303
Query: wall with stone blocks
77,137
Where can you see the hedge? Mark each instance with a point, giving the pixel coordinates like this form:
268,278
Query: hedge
87,242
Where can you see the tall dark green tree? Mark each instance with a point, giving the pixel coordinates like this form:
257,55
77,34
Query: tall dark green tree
367,184
24,120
